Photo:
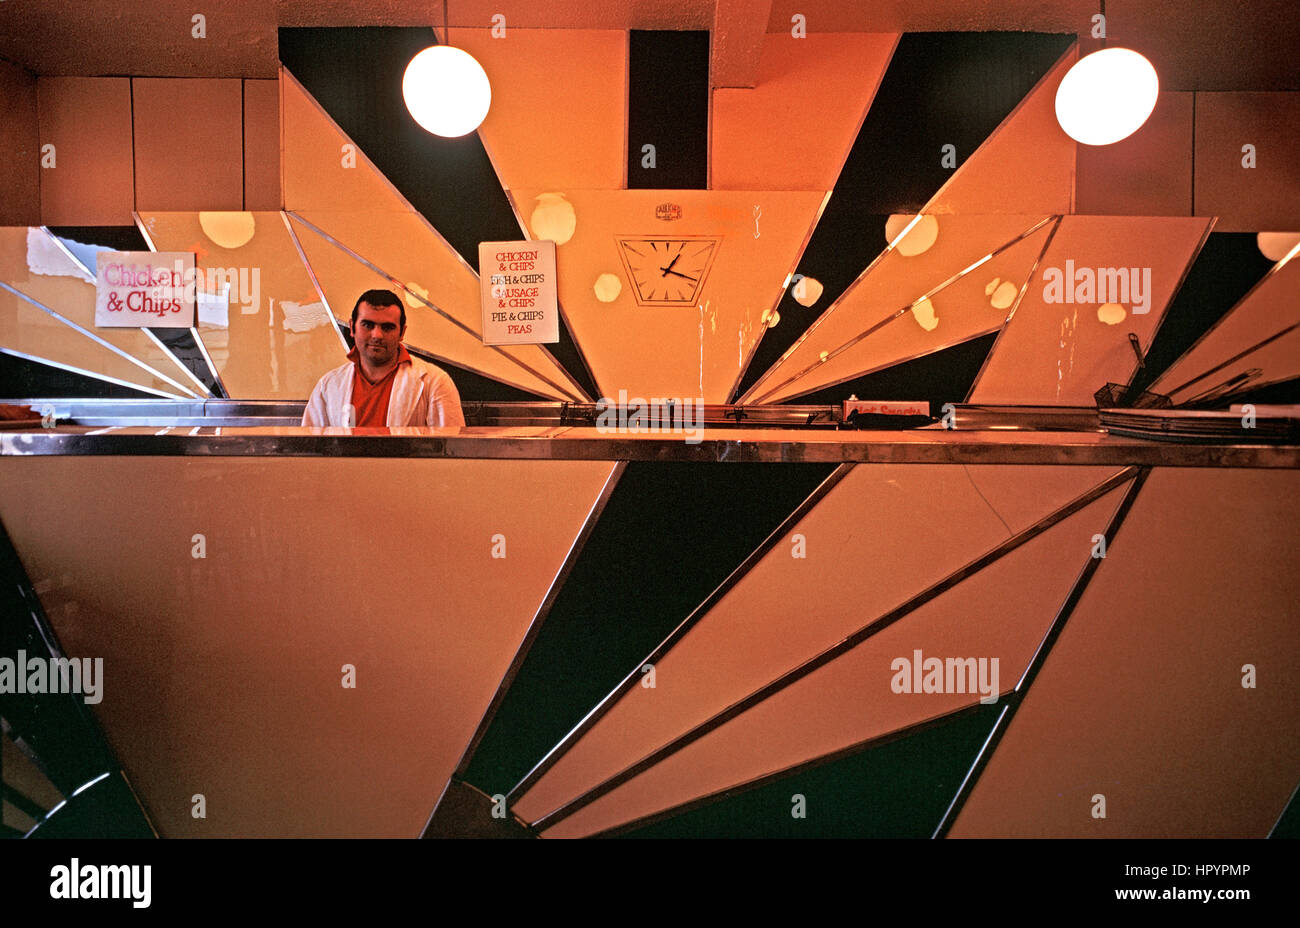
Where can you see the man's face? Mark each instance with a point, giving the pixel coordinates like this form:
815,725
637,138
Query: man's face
377,333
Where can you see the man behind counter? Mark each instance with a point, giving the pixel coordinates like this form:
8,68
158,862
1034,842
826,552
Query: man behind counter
381,384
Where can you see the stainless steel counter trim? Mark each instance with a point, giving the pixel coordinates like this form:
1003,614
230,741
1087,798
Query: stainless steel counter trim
574,444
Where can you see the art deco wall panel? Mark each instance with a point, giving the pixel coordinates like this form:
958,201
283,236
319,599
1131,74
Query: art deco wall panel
890,285
696,345
559,105
1245,341
793,130
1054,352
223,674
329,183
853,698
1198,584
881,536
34,270
88,121
189,151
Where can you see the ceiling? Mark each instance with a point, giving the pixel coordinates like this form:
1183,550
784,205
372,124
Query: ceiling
1195,44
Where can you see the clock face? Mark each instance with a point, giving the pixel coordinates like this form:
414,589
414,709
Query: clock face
667,271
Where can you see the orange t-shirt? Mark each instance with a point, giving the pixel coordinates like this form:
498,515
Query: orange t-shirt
371,399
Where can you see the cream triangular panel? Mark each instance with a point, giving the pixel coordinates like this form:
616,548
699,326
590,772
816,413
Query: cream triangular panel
795,128
233,672
559,105
1233,345
886,288
1059,353
900,528
648,346
998,614
1025,166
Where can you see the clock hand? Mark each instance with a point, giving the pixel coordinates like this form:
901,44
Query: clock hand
669,269
677,274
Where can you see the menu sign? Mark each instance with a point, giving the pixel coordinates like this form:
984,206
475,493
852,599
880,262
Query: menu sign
517,289
144,288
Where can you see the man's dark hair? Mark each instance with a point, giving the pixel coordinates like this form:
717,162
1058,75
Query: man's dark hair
379,298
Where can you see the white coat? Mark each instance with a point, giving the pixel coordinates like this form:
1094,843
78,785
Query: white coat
423,394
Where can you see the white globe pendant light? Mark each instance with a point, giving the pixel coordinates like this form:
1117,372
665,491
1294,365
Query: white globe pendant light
446,91
1106,96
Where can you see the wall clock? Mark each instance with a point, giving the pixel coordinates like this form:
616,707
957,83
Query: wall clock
667,271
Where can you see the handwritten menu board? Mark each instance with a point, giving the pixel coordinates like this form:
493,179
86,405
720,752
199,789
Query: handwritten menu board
517,287
144,288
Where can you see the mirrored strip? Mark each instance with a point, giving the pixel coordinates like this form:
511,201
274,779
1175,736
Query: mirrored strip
901,312
330,318
1014,306
1017,695
808,666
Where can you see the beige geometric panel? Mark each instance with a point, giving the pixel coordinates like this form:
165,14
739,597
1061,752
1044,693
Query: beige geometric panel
1229,347
879,537
1000,613
278,338
20,144
88,121
975,304
67,291
362,210
1141,699
223,674
695,349
890,283
1060,353
1025,166
559,105
262,145
343,279
794,129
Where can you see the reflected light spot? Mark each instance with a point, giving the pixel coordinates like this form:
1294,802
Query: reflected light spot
1004,295
770,318
807,291
991,286
446,91
553,218
1106,96
1111,313
227,230
608,287
923,313
917,240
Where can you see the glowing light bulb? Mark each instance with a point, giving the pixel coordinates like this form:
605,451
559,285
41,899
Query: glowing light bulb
1106,96
446,91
